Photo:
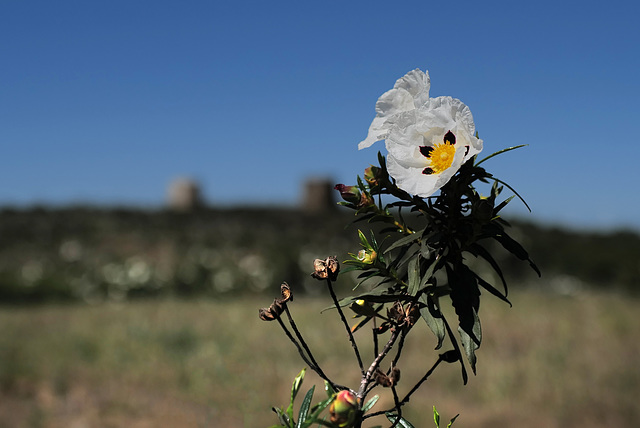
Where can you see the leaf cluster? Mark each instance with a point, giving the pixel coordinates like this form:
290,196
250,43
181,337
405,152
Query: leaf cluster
425,259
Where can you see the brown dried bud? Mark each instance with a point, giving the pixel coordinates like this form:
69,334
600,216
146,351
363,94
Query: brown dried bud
272,312
396,313
412,314
382,379
326,269
265,314
287,296
395,375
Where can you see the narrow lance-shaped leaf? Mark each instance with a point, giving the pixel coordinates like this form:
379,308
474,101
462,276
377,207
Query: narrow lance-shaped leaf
369,404
295,387
471,342
479,251
432,316
456,347
491,289
402,423
516,249
405,240
304,408
453,419
413,270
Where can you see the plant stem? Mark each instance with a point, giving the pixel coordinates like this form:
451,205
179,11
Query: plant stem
346,325
311,365
304,344
405,400
366,379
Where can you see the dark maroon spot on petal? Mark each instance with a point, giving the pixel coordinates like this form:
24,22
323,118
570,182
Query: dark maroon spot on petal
449,138
427,171
426,150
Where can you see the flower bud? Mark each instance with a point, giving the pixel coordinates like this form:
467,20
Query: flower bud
482,210
343,409
367,257
372,175
349,193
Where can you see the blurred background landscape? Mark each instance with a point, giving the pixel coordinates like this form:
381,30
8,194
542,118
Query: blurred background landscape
128,317
129,295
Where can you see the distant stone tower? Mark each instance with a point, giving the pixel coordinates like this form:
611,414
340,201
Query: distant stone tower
318,195
184,195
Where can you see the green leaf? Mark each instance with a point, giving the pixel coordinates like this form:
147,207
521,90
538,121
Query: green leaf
514,191
491,289
436,416
456,348
369,404
508,149
304,408
284,419
465,298
405,240
315,412
297,382
403,423
453,420
329,389
516,249
471,342
413,271
502,204
432,316
430,270
479,251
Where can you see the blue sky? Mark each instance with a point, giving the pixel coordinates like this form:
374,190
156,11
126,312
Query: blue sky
106,102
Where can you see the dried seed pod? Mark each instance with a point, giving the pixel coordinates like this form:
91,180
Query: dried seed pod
272,312
395,375
382,379
396,313
326,269
285,290
265,314
412,314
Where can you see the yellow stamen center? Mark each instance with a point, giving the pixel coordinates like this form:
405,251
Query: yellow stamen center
441,157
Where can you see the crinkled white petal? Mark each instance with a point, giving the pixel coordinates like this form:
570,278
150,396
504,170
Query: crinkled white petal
410,92
409,176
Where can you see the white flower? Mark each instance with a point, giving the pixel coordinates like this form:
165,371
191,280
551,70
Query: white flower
428,139
410,92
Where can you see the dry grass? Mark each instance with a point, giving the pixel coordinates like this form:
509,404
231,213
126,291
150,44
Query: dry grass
549,361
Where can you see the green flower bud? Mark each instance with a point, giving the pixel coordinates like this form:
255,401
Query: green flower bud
368,257
343,409
372,175
349,193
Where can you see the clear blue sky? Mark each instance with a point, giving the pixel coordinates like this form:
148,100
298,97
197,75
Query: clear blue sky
105,102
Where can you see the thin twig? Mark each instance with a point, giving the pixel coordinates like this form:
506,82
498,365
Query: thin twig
375,338
398,406
346,325
311,365
366,379
400,346
295,342
406,398
303,343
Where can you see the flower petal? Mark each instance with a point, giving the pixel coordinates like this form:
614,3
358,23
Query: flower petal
409,92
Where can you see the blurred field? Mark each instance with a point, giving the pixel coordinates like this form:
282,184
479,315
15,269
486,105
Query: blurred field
550,361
